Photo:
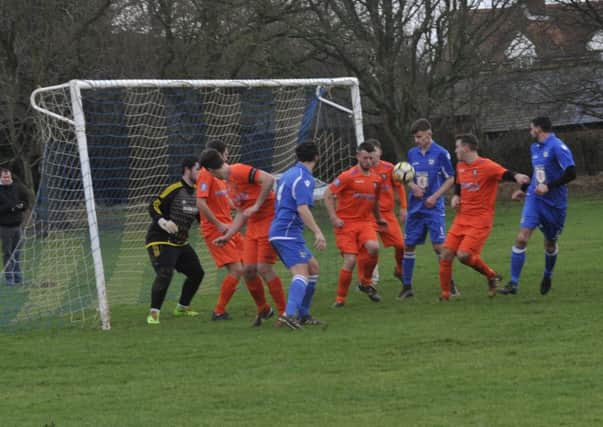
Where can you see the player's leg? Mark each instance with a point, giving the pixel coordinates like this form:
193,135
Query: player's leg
437,233
188,264
448,250
368,240
228,256
347,243
529,221
304,311
251,277
391,236
469,253
415,230
266,257
163,259
551,226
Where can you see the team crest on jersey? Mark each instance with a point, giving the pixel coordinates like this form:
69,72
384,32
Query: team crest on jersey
302,254
337,182
431,162
383,176
545,154
474,172
203,187
307,182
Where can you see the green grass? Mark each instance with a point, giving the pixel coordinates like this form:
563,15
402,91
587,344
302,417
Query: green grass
522,360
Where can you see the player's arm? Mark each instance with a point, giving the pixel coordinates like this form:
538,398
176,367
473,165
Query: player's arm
159,208
455,201
520,178
403,202
376,210
329,199
306,216
209,215
266,182
446,185
237,223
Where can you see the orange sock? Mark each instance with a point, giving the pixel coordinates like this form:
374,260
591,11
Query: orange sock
227,289
256,289
361,260
345,278
399,255
275,286
445,277
368,268
480,266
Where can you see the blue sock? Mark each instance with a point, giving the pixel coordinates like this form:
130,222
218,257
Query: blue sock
549,262
518,259
304,310
408,265
297,290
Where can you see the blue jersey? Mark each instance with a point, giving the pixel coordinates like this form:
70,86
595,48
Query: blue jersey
549,160
295,188
431,170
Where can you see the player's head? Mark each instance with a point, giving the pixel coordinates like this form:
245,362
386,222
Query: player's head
421,130
466,146
540,126
364,155
378,151
6,177
190,169
307,152
219,146
213,161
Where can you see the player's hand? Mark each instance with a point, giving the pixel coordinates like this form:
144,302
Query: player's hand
455,202
417,191
320,242
381,222
522,179
431,201
168,225
541,189
518,195
402,215
250,211
20,206
222,228
222,240
337,222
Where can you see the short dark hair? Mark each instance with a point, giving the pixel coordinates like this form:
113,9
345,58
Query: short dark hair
189,163
306,152
420,125
468,139
375,142
217,145
211,159
2,170
543,123
366,146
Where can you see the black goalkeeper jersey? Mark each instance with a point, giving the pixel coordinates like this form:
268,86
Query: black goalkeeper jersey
177,203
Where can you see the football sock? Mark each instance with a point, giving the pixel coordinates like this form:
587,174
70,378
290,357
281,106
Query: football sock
297,291
275,286
189,289
227,289
445,277
160,288
368,267
304,310
480,266
256,289
549,261
518,259
361,260
345,278
408,265
399,255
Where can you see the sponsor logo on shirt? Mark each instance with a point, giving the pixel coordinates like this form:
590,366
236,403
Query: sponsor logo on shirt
363,196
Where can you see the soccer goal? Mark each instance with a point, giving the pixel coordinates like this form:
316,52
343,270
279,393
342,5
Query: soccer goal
110,146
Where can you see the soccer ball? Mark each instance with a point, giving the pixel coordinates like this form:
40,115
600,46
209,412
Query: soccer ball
404,172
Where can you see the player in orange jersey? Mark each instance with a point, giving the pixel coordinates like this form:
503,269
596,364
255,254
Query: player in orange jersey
250,189
476,186
356,191
391,233
215,207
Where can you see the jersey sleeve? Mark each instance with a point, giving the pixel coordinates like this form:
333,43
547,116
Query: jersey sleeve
302,191
446,164
243,174
564,156
495,170
203,184
339,184
401,194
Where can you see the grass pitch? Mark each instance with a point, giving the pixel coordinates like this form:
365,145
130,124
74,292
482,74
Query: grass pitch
523,360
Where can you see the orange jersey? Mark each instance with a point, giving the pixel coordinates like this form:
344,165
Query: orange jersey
216,194
388,186
356,194
244,189
479,185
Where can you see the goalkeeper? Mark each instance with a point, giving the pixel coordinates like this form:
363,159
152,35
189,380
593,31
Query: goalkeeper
173,213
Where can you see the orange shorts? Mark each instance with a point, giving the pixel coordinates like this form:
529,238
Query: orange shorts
256,251
352,236
227,254
466,238
391,234
257,229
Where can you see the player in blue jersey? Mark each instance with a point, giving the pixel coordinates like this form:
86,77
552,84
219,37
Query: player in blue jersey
545,201
294,199
434,175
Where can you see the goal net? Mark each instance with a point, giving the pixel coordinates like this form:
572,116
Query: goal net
111,146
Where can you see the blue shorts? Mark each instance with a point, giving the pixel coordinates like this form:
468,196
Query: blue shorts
292,252
548,219
419,223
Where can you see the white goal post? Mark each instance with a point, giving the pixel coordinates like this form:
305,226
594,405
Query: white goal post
162,120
